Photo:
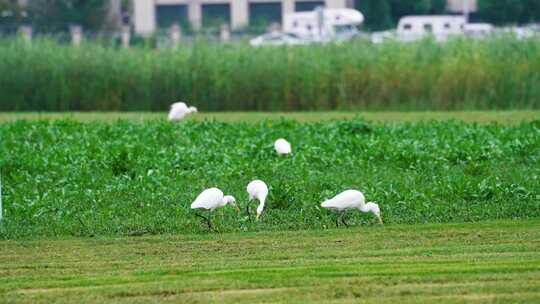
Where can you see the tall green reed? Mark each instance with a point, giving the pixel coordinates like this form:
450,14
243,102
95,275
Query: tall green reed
498,73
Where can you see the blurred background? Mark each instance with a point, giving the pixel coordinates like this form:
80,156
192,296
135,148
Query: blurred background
146,17
269,55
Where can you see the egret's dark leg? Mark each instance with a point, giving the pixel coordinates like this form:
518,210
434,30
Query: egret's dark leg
209,223
337,220
343,219
207,220
203,217
247,211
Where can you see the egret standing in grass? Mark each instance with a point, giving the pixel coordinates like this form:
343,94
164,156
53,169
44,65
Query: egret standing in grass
258,190
211,199
282,147
179,111
350,200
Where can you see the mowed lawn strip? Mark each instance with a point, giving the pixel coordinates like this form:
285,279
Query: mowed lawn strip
482,262
503,117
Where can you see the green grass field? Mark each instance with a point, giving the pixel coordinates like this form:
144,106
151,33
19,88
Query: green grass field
503,117
458,192
486,262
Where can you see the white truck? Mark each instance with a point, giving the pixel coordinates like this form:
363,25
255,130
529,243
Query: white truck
478,30
441,27
323,24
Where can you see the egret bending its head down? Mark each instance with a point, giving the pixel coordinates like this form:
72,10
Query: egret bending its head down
258,190
179,111
211,199
351,199
282,147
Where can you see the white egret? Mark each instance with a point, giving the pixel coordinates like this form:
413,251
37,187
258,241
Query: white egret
211,199
282,146
179,111
351,199
258,190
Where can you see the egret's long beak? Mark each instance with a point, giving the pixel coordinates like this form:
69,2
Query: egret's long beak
237,209
258,216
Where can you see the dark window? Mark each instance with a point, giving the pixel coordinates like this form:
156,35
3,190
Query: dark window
214,15
168,15
447,26
407,26
274,38
303,6
264,13
428,27
125,18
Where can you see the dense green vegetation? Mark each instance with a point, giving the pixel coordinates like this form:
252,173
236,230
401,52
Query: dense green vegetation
460,74
385,14
130,178
483,117
509,11
53,16
491,262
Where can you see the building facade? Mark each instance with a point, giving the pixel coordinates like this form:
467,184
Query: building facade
462,6
149,15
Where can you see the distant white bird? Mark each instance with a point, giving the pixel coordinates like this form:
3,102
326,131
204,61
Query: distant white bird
351,199
180,110
282,147
258,190
211,199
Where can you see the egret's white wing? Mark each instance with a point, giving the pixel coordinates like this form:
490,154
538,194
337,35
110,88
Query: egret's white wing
282,146
208,199
178,111
180,105
176,114
257,189
345,200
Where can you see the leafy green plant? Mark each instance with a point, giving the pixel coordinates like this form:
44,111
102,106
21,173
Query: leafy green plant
131,178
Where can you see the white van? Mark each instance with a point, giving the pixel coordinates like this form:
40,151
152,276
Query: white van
324,24
478,30
441,27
